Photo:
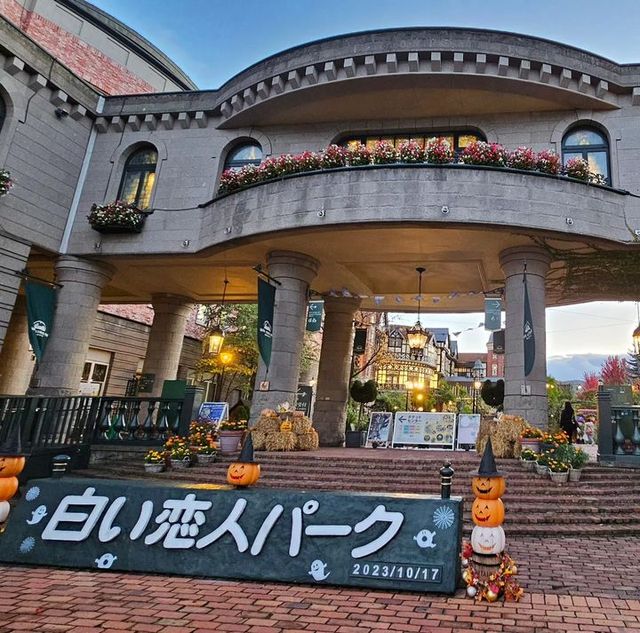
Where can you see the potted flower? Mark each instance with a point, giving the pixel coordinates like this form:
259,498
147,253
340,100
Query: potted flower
117,217
558,470
334,156
542,463
577,168
358,155
482,153
229,435
548,162
154,461
201,441
384,153
179,452
207,454
528,458
578,459
438,151
530,438
522,158
411,152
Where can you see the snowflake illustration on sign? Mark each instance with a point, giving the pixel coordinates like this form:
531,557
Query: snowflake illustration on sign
32,494
27,545
443,517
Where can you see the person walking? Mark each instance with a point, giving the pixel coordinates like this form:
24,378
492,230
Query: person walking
568,421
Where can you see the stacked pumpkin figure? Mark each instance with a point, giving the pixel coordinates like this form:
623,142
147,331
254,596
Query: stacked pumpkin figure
11,465
286,430
489,571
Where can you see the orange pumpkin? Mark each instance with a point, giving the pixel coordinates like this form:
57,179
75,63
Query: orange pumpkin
11,466
488,512
243,474
8,487
286,426
488,487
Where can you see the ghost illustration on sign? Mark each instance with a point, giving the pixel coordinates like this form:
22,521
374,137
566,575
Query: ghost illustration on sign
317,570
424,539
37,515
105,561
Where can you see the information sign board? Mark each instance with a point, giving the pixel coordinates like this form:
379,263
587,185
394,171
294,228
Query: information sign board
468,427
394,541
304,398
424,429
380,425
213,412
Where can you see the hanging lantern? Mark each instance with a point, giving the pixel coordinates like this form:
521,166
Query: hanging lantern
214,338
417,336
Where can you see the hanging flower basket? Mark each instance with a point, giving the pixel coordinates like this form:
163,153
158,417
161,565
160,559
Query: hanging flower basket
117,217
5,182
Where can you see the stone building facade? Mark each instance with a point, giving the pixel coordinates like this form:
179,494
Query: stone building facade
352,235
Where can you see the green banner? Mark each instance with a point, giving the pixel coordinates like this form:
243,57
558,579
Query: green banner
41,305
266,300
314,316
528,334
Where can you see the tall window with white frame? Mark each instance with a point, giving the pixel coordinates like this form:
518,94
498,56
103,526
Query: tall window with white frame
138,177
591,145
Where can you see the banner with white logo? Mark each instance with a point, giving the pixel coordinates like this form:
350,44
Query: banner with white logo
41,305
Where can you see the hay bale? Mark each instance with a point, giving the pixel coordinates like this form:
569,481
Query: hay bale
259,440
301,424
268,423
280,441
308,441
505,435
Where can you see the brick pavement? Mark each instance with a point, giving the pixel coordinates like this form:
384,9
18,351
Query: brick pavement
572,584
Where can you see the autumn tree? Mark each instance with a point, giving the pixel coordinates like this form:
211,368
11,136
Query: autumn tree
614,371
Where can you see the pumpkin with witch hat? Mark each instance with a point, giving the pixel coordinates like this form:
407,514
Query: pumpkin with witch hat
489,485
244,472
11,465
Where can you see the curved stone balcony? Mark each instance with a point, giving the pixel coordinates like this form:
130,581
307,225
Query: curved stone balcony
364,223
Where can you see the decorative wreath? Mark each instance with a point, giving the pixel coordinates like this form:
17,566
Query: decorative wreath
500,584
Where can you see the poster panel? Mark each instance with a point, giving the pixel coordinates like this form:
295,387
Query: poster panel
213,412
422,428
468,427
380,425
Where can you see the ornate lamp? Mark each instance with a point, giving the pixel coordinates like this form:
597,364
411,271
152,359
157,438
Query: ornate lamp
214,338
417,336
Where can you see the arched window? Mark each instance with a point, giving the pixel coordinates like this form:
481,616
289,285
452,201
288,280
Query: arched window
138,177
245,154
590,144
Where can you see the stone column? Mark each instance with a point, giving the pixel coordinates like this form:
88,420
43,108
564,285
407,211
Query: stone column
82,282
16,360
525,396
295,272
171,313
335,369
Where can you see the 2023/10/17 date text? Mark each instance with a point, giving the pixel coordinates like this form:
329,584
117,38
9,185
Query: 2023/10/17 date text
398,571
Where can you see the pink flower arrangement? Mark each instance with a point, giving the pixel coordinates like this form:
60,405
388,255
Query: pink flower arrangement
577,168
522,158
411,152
118,213
439,151
481,153
334,156
548,162
358,155
384,153
5,182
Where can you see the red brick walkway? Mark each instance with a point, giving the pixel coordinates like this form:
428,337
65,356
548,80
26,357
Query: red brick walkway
571,584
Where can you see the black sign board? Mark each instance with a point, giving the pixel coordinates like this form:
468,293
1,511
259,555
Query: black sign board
360,341
145,383
397,541
498,342
314,316
304,398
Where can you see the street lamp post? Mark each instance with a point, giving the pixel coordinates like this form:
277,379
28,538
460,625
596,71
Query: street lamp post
409,386
476,372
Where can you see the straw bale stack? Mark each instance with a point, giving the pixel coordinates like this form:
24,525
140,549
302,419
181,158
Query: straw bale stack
505,435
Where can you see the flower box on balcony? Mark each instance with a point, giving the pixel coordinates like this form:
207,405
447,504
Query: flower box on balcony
117,217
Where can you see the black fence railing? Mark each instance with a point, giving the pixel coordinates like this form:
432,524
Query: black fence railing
70,425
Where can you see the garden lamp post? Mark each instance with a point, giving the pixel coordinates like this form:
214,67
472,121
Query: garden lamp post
214,338
476,372
409,386
225,359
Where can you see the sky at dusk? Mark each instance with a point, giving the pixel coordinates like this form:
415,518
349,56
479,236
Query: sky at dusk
212,40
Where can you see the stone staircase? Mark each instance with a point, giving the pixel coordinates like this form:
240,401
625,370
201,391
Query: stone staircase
606,502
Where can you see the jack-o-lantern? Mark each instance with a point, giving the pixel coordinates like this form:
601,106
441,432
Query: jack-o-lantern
245,472
487,512
11,466
488,540
488,487
286,426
